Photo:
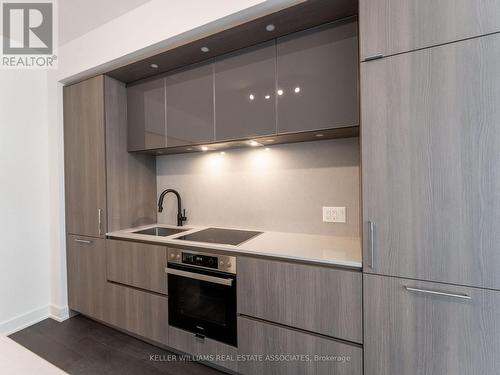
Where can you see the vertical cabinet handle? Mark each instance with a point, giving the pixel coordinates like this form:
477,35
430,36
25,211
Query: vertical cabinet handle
371,245
99,220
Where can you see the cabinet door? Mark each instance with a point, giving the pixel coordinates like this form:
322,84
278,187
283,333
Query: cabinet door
318,299
318,78
85,160
288,351
392,26
146,115
414,332
86,264
137,264
136,311
190,106
245,86
431,163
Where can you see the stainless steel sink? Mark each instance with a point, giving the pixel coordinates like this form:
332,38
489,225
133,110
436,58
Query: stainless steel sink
160,231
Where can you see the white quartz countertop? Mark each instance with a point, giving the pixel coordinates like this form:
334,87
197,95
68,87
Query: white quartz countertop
311,248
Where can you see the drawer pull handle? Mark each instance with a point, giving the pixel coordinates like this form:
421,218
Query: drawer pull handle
83,241
374,57
433,292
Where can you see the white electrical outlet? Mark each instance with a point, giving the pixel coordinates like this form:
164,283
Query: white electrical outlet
334,214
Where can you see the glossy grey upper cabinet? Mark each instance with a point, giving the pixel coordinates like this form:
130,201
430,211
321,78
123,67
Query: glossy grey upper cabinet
318,78
190,106
392,26
431,163
146,115
245,85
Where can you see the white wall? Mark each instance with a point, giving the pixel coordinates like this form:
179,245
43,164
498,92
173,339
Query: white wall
278,188
24,186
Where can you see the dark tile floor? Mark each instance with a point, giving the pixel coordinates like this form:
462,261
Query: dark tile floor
82,346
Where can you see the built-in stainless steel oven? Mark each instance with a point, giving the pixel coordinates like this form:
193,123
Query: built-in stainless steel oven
202,294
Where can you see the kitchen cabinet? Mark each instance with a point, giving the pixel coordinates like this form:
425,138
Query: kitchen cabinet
393,26
86,262
130,177
430,156
137,264
84,158
138,312
414,332
288,351
318,78
215,352
147,128
245,86
190,106
314,298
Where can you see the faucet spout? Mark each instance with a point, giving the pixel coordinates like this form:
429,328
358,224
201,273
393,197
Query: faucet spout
181,217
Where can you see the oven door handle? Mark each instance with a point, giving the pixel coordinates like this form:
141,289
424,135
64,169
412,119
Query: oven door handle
200,276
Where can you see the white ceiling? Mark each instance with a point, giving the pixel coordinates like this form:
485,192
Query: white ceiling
78,17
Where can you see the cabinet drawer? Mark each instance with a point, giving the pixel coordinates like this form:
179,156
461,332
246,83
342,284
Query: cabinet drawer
323,356
222,354
142,313
393,26
319,299
137,264
415,332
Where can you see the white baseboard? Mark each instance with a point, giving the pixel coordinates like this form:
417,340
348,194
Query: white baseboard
20,322
60,313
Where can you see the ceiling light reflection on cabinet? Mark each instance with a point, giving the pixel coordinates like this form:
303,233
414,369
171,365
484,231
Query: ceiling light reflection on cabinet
205,49
254,143
280,92
251,96
204,148
267,97
297,90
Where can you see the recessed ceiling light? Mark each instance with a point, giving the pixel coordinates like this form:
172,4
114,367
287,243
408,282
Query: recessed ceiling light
251,96
297,90
270,27
280,92
319,135
204,148
267,96
154,66
205,49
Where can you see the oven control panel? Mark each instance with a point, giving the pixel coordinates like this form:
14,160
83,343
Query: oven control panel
218,262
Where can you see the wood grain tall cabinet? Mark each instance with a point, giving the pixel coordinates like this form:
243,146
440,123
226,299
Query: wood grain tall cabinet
106,188
430,94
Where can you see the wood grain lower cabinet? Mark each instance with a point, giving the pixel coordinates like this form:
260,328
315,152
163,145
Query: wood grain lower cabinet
394,26
86,263
286,351
430,151
141,313
319,299
137,264
212,351
418,333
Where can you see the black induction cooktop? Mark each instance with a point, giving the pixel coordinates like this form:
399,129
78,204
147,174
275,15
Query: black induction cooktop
220,236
